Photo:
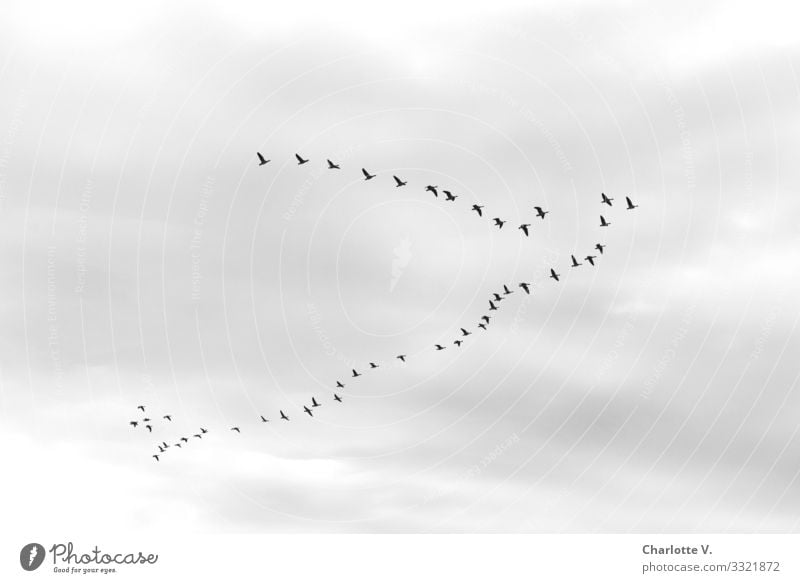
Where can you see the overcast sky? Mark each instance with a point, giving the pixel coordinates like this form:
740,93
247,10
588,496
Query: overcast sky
148,259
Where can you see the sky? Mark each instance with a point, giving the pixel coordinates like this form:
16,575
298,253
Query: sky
148,259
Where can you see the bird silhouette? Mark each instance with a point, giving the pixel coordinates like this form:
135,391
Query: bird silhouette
156,456
491,305
439,347
432,189
149,428
499,223
590,259
398,182
631,206
185,439
575,261
179,444
236,429
600,247
482,326
337,398
264,419
307,410
539,212
203,430
401,357
507,291
524,228
314,402
332,166
603,222
339,385
367,175
498,298
198,436
553,274
356,373
141,407
300,160
526,287
134,423
605,199
373,365
458,342
486,318
477,209
261,159
161,449
168,417
164,443
146,420
465,332
283,416
449,195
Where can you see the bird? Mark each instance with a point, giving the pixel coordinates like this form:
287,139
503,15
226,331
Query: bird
339,385
203,430
524,228
539,212
283,416
631,206
465,332
432,189
603,222
264,419
236,429
186,439
164,443
600,247
261,159
146,420
449,195
161,449
141,407
168,417
499,223
179,444
553,274
482,326
575,261
134,423
373,365
458,342
401,357
356,373
605,199
526,287
498,298
155,456
198,436
300,160
477,209
399,182
307,410
314,402
332,166
367,175
439,347
149,428
491,305
507,291
337,398
590,259
486,318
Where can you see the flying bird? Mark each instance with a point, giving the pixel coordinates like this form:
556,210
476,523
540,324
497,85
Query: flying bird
539,212
155,456
261,159
356,373
432,189
507,291
161,449
283,416
486,318
264,419
186,439
524,228
168,417
164,443
631,206
498,298
198,436
600,247
134,423
553,274
590,259
179,444
465,332
146,420
499,223
373,365
399,182
236,429
307,410
141,407
367,175
605,199
339,385
314,402
203,430
449,195
477,209
300,160
439,347
458,342
337,398
482,326
332,166
603,222
401,357
526,287
575,262
491,305
149,428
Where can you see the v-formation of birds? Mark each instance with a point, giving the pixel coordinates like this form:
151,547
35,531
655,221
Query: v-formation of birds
494,302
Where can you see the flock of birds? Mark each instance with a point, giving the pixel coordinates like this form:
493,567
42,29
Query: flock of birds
495,299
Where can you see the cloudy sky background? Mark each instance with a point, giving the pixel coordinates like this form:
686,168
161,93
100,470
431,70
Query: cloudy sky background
146,258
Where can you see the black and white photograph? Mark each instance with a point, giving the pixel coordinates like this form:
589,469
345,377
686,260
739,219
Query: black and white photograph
364,291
